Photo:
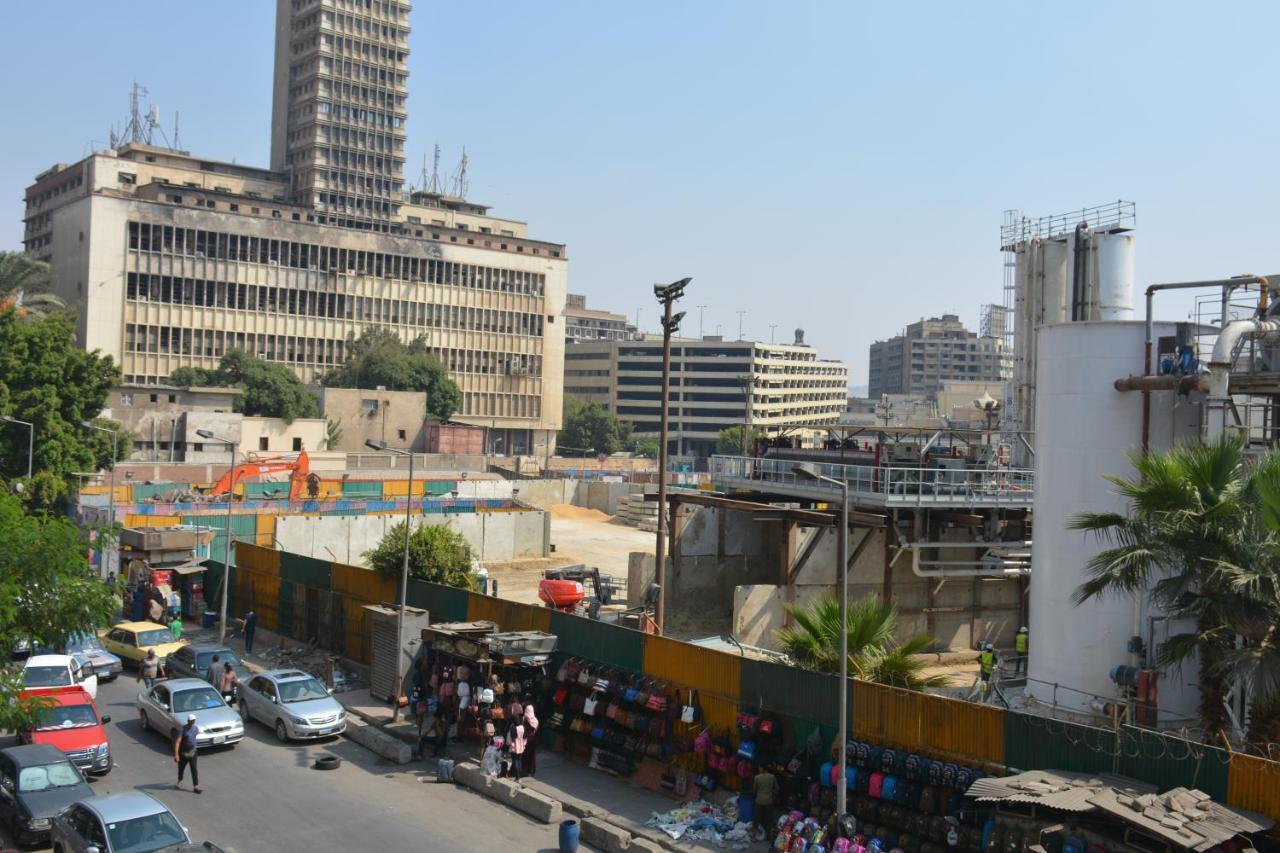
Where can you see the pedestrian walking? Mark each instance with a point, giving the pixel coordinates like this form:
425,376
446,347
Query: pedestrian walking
765,786
150,669
184,753
517,742
530,759
250,625
175,628
214,674
228,681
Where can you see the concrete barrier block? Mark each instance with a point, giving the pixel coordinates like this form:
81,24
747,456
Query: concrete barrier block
644,844
378,742
537,806
604,836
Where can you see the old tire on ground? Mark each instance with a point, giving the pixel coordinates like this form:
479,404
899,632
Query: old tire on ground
282,733
327,762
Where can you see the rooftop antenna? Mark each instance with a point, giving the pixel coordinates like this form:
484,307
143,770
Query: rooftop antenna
176,139
138,129
741,314
458,188
435,185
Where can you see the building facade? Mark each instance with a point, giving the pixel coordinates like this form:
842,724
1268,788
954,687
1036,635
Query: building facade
360,415
586,324
172,260
929,352
715,384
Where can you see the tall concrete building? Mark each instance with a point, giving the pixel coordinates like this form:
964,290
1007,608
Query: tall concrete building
932,351
173,259
338,107
588,324
715,384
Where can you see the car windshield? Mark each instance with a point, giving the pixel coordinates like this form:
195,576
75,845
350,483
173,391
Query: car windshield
145,834
46,676
84,643
302,690
197,700
66,717
223,656
155,637
42,777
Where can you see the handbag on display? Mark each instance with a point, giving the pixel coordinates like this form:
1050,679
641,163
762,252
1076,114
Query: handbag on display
447,689
560,696
747,724
765,728
657,700
589,706
486,696
642,692
496,713
602,683
702,742
464,672
689,712
612,711
584,678
632,690
705,782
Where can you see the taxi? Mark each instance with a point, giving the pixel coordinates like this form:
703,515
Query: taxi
131,641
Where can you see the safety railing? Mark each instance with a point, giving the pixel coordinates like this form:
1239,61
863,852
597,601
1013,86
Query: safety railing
888,484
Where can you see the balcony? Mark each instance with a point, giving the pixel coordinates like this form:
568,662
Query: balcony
888,486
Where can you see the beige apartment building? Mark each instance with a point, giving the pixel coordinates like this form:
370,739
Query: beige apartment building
172,259
715,384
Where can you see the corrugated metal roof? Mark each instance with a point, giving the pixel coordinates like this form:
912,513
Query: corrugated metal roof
1054,788
1182,816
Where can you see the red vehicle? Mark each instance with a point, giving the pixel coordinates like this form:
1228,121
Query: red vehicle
74,726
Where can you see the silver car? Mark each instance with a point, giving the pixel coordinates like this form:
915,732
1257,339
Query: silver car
165,707
129,820
293,703
89,648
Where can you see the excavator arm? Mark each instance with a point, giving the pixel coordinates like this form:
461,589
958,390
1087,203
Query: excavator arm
297,468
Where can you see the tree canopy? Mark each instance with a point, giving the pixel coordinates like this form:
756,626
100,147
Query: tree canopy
647,446
268,390
589,427
46,379
436,554
47,592
24,285
730,440
379,357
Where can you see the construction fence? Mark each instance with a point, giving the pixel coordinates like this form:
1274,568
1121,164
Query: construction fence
308,599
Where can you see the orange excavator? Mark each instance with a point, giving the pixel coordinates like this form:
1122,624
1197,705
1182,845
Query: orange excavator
298,468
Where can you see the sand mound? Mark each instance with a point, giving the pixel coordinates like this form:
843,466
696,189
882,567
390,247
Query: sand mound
580,512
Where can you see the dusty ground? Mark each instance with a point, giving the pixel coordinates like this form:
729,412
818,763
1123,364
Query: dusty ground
580,535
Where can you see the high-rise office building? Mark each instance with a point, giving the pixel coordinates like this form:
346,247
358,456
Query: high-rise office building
929,352
172,259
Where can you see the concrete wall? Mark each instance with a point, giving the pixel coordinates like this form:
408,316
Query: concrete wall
602,496
496,536
396,417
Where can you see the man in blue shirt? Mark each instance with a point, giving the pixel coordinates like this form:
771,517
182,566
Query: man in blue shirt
184,752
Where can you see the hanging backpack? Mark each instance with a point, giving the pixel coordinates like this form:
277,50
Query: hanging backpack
690,712
888,785
876,785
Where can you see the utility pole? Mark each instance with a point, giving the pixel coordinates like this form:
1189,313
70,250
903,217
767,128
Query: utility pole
111,487
741,314
31,439
374,444
667,295
226,557
701,308
772,326
747,381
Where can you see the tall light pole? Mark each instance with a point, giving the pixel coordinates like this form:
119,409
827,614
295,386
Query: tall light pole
667,294
31,439
404,567
226,557
810,471
700,308
747,381
111,495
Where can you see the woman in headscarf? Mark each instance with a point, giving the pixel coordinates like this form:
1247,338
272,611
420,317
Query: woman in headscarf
530,757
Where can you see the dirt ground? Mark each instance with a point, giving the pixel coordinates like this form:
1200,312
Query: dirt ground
580,535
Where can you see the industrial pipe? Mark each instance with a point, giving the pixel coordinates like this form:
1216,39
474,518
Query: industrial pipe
1182,384
1220,365
976,568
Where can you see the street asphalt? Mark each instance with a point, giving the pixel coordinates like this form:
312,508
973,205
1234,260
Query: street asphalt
262,795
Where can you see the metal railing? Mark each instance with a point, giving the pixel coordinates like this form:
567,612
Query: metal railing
889,484
1017,228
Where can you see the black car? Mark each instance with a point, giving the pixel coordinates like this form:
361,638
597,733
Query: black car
36,783
193,662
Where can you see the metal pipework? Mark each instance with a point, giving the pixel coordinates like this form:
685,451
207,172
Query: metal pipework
1219,390
1181,384
1226,284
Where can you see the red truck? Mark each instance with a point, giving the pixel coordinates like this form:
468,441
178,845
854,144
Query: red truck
73,725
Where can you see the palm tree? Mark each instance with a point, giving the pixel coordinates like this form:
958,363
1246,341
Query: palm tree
1196,543
24,282
874,653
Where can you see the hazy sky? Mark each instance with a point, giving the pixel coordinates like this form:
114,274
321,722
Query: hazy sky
841,167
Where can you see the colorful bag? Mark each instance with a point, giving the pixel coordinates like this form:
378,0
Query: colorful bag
612,711
747,750
496,713
561,696
689,712
702,743
747,724
584,678
877,784
589,706
705,782
631,691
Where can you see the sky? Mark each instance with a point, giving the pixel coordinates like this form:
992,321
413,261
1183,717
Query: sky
839,167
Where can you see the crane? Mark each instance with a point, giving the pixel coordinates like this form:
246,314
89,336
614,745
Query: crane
298,468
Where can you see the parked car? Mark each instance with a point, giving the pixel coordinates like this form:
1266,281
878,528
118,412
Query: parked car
49,671
88,648
165,707
132,640
73,725
114,823
36,782
193,662
294,703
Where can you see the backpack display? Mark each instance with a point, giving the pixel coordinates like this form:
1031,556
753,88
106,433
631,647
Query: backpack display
888,786
877,784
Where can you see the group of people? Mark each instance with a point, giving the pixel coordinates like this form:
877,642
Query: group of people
509,732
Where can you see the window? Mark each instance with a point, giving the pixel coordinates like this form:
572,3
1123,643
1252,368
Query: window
155,397
401,434
262,443
297,443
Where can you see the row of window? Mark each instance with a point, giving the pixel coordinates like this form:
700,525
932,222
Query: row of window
292,350
218,245
141,287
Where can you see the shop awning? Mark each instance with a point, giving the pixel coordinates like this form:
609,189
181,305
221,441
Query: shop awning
185,569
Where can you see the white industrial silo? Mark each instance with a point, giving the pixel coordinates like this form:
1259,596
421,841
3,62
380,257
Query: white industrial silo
1085,430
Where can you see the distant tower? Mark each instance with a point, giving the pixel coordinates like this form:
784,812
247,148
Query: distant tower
338,107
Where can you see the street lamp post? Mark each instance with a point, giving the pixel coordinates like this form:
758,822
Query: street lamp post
809,471
667,294
111,487
404,567
31,439
226,557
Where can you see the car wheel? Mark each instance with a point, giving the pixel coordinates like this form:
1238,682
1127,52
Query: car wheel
244,711
146,724
282,733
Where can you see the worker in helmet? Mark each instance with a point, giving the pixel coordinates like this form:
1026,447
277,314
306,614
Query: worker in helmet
987,662
1020,648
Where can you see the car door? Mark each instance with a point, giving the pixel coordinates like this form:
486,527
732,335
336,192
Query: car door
77,827
182,662
80,675
156,707
251,697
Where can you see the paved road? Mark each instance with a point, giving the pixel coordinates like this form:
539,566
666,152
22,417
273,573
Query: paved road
263,796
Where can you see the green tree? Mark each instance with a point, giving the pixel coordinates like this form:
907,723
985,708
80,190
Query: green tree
332,433
46,379
47,592
267,390
25,284
588,426
436,554
379,357
874,653
730,440
1196,542
648,447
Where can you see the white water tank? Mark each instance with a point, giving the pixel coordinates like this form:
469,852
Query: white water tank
1085,431
1115,274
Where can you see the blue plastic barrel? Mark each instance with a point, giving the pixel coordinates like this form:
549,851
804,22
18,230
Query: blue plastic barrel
568,836
209,619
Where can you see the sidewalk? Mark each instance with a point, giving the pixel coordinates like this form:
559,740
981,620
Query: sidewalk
583,792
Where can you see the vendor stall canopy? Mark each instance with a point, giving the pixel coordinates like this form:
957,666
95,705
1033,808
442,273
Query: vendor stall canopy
1185,818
